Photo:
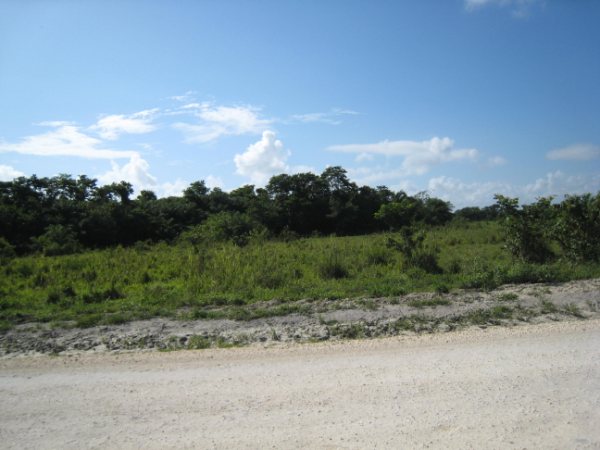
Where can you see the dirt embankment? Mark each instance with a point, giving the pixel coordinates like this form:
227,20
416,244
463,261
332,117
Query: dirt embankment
326,320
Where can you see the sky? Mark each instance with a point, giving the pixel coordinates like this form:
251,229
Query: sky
459,98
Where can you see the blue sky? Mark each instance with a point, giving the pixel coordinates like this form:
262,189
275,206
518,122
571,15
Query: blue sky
462,98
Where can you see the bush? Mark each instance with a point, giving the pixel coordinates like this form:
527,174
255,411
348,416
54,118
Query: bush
577,228
7,251
527,229
57,240
226,226
414,251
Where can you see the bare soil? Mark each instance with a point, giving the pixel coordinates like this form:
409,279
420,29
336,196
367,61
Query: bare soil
531,386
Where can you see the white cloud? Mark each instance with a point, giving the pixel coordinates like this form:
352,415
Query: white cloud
463,194
218,121
361,157
575,152
136,172
112,126
558,183
186,97
419,157
519,8
332,117
375,175
174,189
64,140
495,161
213,182
8,173
263,159
477,193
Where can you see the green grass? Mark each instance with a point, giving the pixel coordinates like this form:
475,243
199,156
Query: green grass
224,281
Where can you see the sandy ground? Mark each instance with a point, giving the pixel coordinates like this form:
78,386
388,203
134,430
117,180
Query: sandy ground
532,386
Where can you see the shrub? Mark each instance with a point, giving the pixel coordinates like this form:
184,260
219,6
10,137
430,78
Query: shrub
577,228
7,251
415,253
527,228
57,240
225,226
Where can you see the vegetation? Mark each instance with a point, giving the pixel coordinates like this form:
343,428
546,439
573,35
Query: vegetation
76,254
62,215
225,280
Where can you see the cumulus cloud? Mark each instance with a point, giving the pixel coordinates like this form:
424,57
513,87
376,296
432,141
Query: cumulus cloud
136,171
8,173
218,121
519,8
575,152
64,140
172,189
112,126
462,193
214,182
478,193
558,183
419,157
263,159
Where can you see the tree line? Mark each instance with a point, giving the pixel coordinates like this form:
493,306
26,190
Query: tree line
63,214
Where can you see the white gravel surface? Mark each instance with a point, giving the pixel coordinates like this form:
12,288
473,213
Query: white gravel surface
534,386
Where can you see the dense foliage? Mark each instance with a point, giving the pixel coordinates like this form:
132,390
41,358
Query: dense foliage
62,214
543,231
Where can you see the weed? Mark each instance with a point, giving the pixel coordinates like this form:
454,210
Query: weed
442,289
332,268
196,342
348,331
368,304
429,303
573,310
508,297
547,307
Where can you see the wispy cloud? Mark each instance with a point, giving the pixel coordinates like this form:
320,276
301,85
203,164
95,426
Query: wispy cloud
112,126
332,117
186,97
575,152
263,159
519,8
64,140
495,161
419,156
8,173
214,122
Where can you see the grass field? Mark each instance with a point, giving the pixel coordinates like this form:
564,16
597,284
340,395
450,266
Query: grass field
122,284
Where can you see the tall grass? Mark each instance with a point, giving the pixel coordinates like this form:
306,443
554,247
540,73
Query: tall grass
120,284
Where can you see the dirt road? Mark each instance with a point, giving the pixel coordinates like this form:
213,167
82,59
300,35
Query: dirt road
523,387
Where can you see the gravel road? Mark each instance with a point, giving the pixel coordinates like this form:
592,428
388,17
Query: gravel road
533,386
